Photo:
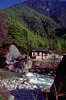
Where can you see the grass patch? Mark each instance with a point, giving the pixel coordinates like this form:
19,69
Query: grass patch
7,74
4,97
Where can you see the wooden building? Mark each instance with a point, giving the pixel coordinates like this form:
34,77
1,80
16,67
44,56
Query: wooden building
39,54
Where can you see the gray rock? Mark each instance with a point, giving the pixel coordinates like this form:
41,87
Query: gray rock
11,97
12,54
29,74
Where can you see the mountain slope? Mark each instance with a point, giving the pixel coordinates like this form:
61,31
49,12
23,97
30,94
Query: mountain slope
29,29
54,9
3,26
24,16
21,36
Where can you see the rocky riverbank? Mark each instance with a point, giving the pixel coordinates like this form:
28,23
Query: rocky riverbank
33,85
26,82
28,79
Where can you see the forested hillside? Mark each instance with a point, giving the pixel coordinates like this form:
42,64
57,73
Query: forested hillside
3,26
21,14
28,29
55,9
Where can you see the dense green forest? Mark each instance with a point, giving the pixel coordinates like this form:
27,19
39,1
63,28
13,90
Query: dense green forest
24,16
55,9
28,29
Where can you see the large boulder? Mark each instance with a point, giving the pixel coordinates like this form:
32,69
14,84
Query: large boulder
8,56
12,54
58,89
22,64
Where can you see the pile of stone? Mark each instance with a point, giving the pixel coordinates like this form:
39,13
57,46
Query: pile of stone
12,59
17,83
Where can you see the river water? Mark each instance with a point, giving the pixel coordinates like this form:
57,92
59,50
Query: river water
37,79
26,85
41,80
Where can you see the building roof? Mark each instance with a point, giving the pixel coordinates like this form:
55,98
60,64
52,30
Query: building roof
40,50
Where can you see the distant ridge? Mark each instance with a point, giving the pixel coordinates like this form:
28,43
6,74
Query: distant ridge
35,21
54,9
28,29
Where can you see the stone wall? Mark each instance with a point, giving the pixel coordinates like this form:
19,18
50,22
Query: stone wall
41,65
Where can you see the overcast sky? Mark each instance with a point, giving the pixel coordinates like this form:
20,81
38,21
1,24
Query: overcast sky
7,3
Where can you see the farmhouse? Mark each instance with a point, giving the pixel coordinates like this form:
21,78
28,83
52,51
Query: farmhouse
39,54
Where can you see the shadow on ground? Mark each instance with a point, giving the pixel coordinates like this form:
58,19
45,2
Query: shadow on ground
27,94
